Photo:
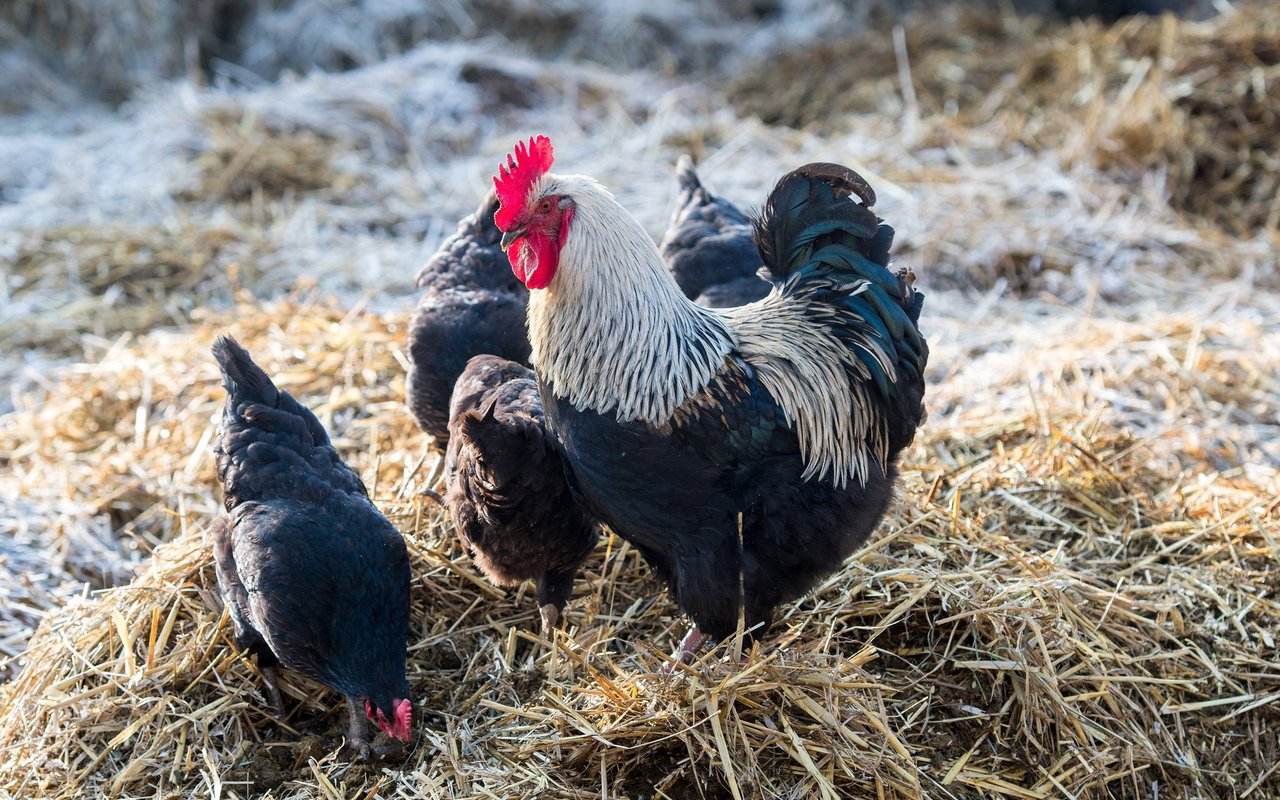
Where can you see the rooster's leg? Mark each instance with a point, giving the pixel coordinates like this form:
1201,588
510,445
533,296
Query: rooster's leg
273,690
358,730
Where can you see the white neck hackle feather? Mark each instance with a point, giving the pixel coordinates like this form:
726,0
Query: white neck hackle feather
613,333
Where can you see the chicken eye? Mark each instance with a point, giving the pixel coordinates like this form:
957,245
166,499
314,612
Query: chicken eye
545,205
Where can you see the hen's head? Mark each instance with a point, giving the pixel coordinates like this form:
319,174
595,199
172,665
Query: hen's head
394,718
533,217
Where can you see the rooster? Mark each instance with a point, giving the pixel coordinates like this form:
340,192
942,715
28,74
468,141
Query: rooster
745,452
313,575
506,489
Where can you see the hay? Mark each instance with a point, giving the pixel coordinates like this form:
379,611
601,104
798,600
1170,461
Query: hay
49,551
1057,607
1195,102
106,280
248,160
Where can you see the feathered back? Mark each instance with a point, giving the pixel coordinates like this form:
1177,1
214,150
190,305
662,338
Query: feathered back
838,311
271,446
708,244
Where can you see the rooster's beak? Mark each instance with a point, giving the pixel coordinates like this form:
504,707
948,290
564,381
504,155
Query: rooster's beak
510,236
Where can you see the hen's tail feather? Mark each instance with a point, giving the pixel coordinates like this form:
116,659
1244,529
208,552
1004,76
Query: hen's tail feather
270,445
821,242
246,382
691,188
240,375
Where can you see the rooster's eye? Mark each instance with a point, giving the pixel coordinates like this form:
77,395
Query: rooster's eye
545,205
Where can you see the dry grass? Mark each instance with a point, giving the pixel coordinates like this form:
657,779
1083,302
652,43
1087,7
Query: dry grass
1193,102
247,160
107,280
1054,609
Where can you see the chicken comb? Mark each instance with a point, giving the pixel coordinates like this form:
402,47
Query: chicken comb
523,168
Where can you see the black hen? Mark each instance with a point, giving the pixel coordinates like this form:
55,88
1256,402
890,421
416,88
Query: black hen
708,246
314,576
473,304
507,492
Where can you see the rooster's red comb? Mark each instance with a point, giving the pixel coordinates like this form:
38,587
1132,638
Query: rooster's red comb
523,168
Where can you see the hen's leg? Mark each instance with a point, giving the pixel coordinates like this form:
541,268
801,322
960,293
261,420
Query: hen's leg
273,689
553,593
550,614
358,730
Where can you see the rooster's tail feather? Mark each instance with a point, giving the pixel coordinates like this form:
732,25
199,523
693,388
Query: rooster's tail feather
821,243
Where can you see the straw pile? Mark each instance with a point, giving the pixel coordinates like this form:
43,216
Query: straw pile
1196,102
1054,608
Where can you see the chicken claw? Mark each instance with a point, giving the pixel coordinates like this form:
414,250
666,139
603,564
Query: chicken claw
358,731
273,691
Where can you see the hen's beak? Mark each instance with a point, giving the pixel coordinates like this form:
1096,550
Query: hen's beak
510,236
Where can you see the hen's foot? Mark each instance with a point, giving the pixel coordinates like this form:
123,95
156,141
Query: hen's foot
273,692
358,731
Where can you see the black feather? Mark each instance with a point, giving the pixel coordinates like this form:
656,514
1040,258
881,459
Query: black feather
708,247
508,491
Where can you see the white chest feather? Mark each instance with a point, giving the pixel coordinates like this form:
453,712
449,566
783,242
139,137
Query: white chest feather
612,333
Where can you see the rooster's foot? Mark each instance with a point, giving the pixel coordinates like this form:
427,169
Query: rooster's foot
688,648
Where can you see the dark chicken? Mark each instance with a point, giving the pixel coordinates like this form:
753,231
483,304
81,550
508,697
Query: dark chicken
313,575
708,246
683,425
507,492
472,305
